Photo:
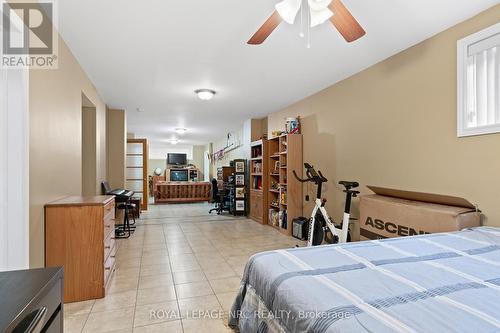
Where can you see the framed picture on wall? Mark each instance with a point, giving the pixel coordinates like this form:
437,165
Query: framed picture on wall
240,180
240,193
240,205
239,167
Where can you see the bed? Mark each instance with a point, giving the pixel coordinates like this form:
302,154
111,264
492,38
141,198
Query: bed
430,283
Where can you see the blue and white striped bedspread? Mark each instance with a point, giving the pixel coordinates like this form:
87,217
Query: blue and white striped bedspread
431,283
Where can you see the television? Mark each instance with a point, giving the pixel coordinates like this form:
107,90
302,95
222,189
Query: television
176,159
179,175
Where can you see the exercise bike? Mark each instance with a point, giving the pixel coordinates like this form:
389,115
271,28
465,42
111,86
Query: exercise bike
321,226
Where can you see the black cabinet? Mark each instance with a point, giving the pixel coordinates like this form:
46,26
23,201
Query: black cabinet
239,188
31,301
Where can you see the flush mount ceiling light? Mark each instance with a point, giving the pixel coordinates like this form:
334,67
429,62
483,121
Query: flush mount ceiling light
205,94
139,109
180,130
174,141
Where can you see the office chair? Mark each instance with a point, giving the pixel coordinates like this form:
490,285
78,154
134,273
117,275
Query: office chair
216,198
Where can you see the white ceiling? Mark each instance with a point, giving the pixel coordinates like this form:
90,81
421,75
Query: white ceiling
153,54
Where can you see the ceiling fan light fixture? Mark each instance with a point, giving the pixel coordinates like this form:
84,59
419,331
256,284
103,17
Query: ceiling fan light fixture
288,10
318,4
319,17
205,94
318,10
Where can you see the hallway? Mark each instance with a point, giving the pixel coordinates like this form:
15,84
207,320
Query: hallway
180,264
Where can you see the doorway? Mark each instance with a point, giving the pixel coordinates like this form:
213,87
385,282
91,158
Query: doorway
137,170
89,148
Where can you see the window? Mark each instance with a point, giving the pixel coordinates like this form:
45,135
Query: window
479,83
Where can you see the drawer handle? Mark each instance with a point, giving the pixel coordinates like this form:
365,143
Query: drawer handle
107,268
113,256
107,247
33,322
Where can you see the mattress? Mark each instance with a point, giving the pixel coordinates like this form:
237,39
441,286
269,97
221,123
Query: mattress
430,283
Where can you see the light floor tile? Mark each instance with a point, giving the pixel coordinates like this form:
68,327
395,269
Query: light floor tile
226,300
225,272
205,326
154,260
118,285
115,301
168,327
156,295
189,277
154,281
177,245
74,324
156,269
78,308
195,306
225,285
156,313
109,321
193,289
185,267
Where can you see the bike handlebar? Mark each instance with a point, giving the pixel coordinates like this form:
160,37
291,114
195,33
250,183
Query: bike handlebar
312,175
300,179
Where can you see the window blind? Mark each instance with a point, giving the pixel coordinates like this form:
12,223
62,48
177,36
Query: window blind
483,83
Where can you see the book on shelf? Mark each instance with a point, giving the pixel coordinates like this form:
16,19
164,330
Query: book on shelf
257,183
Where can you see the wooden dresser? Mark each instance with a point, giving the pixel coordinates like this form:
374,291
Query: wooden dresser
79,235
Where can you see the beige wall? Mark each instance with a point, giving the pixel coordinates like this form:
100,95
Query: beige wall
251,130
156,163
89,149
394,125
199,159
55,107
239,152
116,143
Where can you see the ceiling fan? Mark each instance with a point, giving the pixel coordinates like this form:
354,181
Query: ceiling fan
319,12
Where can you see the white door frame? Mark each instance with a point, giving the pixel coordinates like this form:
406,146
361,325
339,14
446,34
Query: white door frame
14,169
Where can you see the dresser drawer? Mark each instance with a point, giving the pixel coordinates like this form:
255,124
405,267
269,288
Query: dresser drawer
109,266
109,211
109,245
109,226
109,207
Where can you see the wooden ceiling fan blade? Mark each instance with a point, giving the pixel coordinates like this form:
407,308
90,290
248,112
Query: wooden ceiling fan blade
345,23
266,29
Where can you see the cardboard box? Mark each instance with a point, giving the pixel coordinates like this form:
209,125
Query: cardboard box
395,213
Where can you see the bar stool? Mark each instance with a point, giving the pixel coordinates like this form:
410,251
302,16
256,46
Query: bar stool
126,229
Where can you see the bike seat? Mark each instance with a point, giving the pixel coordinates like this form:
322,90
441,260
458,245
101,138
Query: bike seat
348,184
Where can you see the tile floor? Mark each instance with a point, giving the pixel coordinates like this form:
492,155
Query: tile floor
180,264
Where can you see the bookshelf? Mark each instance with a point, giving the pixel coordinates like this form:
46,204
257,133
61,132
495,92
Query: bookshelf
284,192
258,181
